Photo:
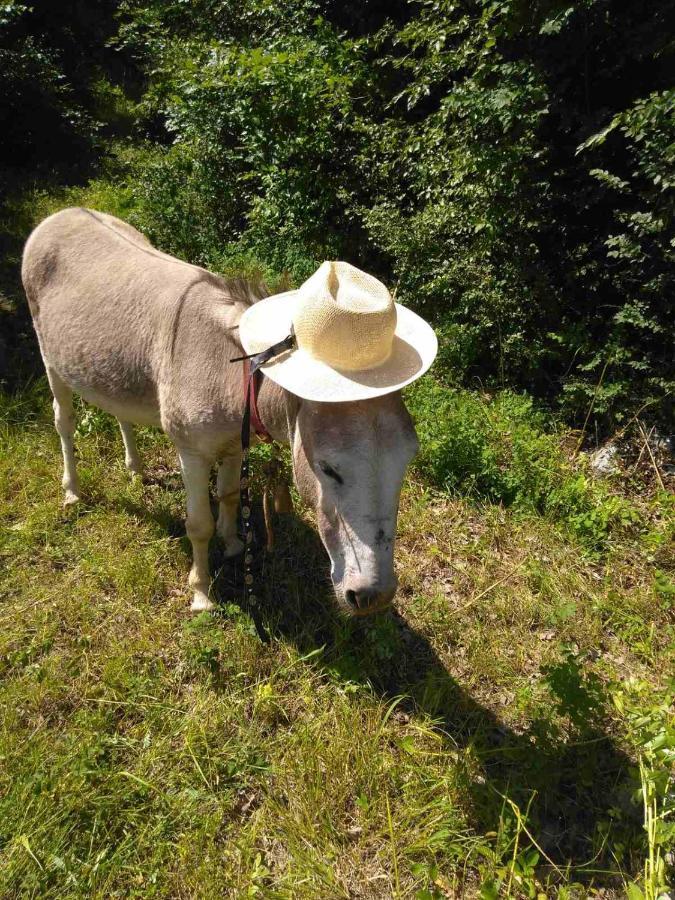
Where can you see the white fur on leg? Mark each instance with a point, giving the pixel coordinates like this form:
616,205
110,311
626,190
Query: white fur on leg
199,523
228,504
131,458
64,421
201,602
233,547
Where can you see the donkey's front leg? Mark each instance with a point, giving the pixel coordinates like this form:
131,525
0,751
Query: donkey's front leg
228,502
199,524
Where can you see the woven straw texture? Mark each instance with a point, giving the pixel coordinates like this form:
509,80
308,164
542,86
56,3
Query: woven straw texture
345,317
354,342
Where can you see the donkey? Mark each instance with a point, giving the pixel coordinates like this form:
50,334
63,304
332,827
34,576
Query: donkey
149,339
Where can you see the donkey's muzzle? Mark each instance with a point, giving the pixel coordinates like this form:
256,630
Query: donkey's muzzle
366,601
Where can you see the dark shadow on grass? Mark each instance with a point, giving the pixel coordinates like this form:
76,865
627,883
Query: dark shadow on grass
574,785
167,521
158,511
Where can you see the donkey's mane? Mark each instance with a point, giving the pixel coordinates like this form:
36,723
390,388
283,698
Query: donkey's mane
241,290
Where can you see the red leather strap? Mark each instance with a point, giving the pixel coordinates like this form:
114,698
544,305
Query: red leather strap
256,422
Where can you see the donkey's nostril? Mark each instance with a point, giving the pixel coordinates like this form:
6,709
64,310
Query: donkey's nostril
351,598
366,600
360,599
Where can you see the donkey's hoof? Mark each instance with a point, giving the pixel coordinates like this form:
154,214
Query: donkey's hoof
70,498
134,467
201,603
233,547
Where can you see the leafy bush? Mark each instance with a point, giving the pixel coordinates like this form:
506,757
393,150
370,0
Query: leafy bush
497,448
639,247
507,166
260,117
56,98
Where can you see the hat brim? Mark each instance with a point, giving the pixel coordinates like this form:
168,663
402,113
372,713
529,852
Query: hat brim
269,321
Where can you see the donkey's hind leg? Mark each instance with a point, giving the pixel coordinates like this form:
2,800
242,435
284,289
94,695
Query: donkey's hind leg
64,420
228,502
131,458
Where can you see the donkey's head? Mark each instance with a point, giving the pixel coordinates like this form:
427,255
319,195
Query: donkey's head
349,462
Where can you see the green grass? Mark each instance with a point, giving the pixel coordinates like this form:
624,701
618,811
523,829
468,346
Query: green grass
499,448
507,733
484,741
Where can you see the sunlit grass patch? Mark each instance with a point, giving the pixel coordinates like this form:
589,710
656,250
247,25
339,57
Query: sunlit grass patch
501,449
481,739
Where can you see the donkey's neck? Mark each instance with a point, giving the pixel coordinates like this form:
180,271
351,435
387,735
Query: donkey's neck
277,409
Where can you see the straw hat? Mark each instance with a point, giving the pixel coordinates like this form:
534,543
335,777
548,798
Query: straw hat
353,341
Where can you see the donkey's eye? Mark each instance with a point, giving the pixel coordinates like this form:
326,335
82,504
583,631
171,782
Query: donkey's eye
330,471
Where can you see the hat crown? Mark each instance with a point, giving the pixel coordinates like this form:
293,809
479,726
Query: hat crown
345,318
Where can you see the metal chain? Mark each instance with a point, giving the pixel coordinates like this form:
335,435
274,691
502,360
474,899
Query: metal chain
251,598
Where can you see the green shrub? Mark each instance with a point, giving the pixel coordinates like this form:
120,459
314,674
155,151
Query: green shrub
260,115
498,449
57,99
507,167
509,170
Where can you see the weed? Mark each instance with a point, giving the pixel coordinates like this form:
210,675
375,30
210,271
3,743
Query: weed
652,732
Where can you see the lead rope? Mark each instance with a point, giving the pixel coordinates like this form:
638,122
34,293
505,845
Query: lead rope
256,361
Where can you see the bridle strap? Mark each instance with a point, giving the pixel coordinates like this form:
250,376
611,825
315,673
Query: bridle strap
250,598
255,379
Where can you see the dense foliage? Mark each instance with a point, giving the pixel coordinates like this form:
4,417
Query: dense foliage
59,85
508,166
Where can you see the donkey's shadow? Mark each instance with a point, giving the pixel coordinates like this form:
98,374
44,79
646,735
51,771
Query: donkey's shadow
572,785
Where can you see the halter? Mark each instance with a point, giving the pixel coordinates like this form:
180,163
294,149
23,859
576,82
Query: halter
252,379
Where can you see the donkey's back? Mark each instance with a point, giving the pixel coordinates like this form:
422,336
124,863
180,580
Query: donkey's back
106,308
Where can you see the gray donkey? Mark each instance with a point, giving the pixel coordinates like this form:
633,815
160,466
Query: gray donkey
149,339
